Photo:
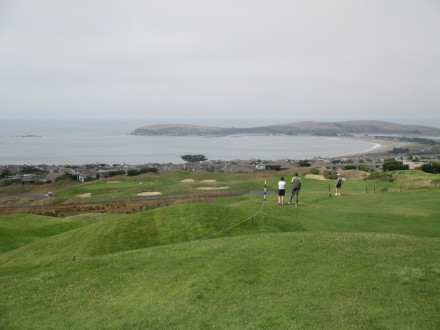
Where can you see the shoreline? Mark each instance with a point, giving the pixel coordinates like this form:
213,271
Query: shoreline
379,146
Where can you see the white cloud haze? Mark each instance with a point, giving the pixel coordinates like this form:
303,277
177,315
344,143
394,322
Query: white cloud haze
292,60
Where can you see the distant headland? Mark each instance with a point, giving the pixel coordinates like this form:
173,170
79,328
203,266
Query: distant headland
301,128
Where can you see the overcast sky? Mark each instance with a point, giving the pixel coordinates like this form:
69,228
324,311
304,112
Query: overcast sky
289,60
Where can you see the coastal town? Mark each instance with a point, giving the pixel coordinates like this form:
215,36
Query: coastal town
412,154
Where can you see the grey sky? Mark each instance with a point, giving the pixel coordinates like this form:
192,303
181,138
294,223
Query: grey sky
286,59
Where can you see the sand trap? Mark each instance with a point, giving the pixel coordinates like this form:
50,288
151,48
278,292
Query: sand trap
208,181
113,181
315,176
84,195
211,188
149,193
187,180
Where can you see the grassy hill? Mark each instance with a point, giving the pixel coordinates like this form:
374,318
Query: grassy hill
285,280
19,230
308,127
360,260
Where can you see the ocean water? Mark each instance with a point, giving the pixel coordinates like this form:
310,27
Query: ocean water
105,141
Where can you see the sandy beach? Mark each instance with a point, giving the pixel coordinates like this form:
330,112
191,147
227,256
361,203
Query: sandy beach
379,146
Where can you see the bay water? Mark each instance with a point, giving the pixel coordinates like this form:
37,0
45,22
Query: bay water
79,142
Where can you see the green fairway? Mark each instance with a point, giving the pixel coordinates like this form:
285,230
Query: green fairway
19,230
261,281
367,259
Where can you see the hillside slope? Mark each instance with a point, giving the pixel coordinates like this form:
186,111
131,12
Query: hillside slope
21,229
412,213
284,280
309,127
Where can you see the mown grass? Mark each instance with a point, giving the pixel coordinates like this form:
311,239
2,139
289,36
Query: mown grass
360,260
285,280
18,230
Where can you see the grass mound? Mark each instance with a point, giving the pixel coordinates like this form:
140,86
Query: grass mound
161,226
284,280
21,229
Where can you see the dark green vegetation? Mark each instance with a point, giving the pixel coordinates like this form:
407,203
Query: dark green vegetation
367,259
433,167
193,158
394,165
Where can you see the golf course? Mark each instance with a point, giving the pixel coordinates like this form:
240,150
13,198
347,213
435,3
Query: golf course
368,259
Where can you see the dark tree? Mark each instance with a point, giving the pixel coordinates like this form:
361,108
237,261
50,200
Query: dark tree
193,158
431,167
304,163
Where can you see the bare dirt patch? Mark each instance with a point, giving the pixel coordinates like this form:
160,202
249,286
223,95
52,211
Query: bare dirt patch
149,193
208,181
187,180
315,176
84,195
212,188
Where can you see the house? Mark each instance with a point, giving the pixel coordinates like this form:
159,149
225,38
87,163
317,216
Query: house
240,169
86,174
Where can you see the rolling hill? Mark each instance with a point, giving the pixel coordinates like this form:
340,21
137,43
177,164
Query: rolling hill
309,127
361,260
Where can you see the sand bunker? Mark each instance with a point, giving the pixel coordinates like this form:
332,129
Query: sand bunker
211,188
149,193
192,180
84,195
315,176
187,180
113,181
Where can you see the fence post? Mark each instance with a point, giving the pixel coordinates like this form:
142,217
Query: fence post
264,190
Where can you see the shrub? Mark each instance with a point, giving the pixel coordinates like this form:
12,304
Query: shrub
144,170
114,173
304,163
350,167
433,167
5,182
331,174
5,173
314,171
66,177
386,177
399,151
394,165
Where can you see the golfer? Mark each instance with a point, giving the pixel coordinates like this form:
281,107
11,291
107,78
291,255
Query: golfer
338,185
296,187
281,191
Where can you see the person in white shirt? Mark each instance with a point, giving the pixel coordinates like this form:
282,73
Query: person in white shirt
338,185
281,191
